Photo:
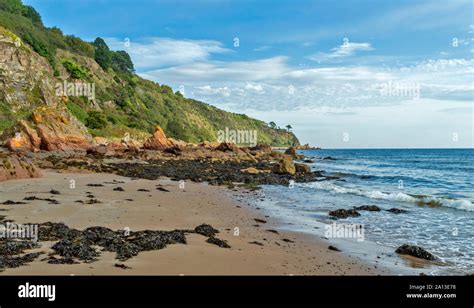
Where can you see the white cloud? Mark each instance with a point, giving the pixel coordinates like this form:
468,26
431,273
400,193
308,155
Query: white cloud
239,84
158,52
208,90
256,88
345,50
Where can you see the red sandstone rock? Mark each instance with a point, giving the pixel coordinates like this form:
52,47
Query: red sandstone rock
15,167
158,141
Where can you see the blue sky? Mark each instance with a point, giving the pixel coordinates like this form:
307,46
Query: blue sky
344,73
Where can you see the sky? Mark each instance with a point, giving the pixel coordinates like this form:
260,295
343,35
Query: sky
343,74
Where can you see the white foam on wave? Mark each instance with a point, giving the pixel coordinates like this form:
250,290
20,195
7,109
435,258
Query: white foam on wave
460,204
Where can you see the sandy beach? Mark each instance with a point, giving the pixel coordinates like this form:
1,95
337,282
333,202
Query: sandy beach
141,206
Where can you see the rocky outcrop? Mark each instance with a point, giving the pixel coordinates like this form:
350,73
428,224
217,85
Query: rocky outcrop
158,141
14,167
292,152
26,139
52,129
285,166
415,251
302,168
23,72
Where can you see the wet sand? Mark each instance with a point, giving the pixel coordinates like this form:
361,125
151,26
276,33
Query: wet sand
254,250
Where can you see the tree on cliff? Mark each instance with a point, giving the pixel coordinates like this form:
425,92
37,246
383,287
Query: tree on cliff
272,125
121,61
103,56
288,128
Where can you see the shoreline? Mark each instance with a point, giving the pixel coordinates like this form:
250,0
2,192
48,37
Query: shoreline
254,251
365,251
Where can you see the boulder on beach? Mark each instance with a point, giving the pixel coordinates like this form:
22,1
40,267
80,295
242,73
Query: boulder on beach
158,141
415,251
13,166
285,166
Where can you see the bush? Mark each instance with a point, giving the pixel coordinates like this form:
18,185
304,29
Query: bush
96,120
76,71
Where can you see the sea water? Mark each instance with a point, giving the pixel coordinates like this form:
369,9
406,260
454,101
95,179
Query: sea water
434,186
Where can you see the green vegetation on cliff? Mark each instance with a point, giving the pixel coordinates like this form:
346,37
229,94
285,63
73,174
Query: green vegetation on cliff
123,102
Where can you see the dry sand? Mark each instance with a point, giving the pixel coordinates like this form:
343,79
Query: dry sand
180,208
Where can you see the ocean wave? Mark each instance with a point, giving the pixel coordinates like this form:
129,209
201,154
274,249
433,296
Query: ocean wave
460,204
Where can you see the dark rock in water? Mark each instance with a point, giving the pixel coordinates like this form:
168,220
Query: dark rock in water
328,158
302,168
333,248
218,242
206,230
256,243
11,202
371,208
342,213
308,161
119,189
415,251
397,211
